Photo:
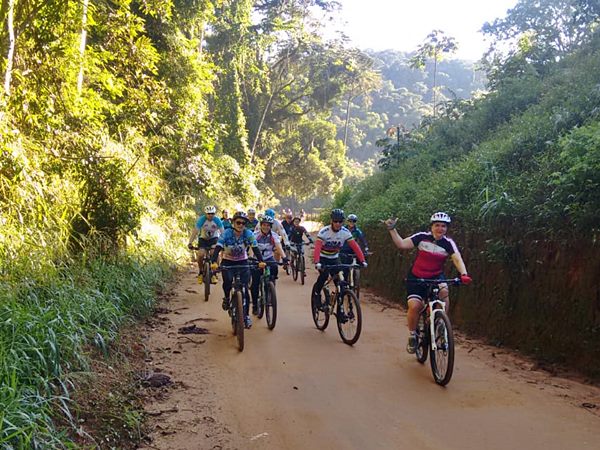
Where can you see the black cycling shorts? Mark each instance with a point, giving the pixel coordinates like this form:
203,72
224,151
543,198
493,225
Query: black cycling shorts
415,290
207,243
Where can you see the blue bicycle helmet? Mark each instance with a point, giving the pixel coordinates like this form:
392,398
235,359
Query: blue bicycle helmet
270,212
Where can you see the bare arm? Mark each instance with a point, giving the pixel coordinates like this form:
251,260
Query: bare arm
193,236
459,263
401,243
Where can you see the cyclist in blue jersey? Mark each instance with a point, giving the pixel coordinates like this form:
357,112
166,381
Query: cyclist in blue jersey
346,253
269,245
433,249
208,229
234,243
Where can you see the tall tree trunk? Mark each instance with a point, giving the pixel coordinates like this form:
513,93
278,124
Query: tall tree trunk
82,44
201,38
434,81
11,46
260,125
347,121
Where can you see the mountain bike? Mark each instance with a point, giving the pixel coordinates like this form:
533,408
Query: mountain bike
298,263
434,332
341,301
237,300
267,297
207,271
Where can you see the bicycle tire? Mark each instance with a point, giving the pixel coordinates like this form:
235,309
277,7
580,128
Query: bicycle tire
294,267
239,319
302,269
422,340
349,321
271,305
320,313
356,278
207,280
260,304
442,359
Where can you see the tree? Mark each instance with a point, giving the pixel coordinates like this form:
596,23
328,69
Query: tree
435,46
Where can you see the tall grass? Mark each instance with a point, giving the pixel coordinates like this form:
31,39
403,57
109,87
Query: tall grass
46,323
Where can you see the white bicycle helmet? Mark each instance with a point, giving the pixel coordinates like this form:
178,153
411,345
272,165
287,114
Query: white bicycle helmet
251,211
352,218
440,217
266,219
210,209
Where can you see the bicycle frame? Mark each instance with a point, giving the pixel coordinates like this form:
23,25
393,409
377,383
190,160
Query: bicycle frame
434,304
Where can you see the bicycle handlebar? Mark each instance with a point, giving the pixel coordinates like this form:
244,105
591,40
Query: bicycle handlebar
342,266
455,281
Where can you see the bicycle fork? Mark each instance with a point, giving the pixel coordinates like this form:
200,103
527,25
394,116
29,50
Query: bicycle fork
433,312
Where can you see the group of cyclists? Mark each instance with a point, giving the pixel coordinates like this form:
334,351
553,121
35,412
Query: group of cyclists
341,241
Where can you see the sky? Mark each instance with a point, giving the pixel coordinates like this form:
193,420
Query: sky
404,24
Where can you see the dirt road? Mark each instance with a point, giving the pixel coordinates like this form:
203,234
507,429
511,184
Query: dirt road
298,388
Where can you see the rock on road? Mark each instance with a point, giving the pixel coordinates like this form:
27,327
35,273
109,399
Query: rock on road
298,388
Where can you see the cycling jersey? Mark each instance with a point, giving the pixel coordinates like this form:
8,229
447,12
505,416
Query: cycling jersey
359,237
266,244
331,242
209,229
431,254
234,247
226,223
297,234
287,226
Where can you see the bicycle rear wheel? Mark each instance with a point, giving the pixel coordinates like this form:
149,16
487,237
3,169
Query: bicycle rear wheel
302,269
207,280
349,318
320,310
422,340
442,359
239,319
271,305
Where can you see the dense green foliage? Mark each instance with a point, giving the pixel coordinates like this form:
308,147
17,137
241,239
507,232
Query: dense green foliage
404,98
519,171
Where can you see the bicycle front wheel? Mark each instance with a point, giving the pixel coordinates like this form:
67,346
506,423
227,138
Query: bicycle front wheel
442,359
271,305
349,318
320,310
260,304
207,280
294,267
239,319
302,269
422,340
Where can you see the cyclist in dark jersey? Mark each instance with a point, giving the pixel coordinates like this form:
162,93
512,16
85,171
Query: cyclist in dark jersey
433,249
297,233
346,253
287,223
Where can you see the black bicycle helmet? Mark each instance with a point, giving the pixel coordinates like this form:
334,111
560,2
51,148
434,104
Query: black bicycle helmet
240,215
337,214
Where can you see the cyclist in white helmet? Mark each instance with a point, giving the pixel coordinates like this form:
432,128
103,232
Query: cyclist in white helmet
208,229
433,249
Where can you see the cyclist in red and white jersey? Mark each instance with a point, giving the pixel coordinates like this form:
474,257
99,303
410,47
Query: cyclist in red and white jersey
433,249
329,242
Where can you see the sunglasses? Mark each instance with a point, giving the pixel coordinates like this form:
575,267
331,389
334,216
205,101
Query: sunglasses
337,221
239,222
